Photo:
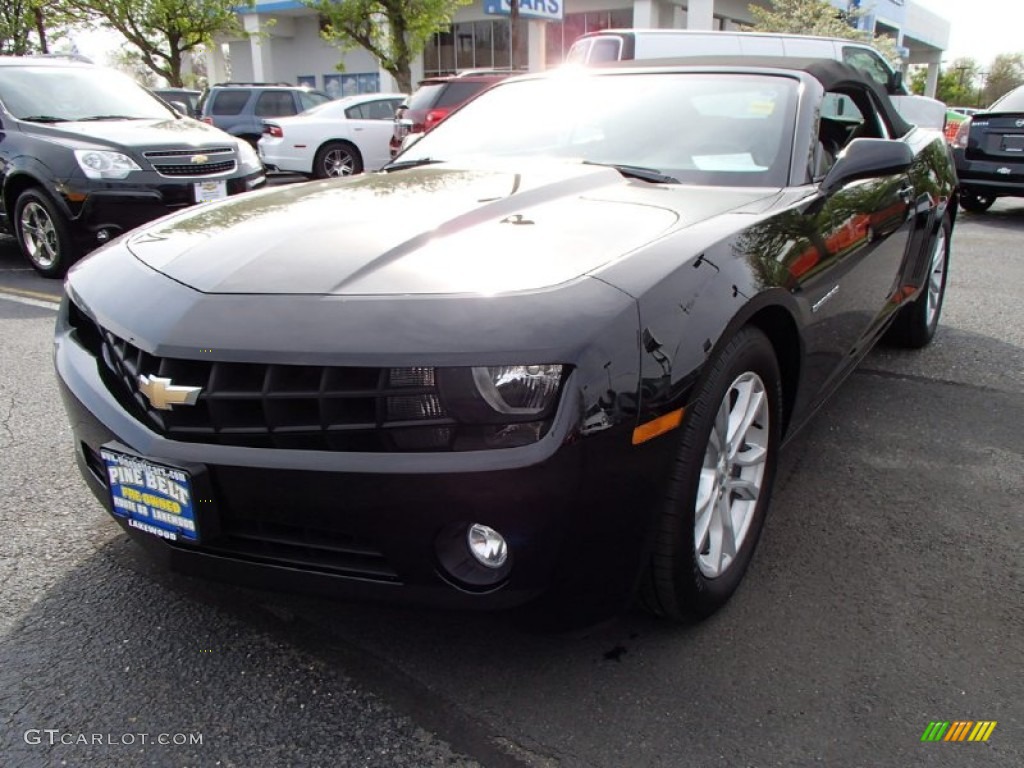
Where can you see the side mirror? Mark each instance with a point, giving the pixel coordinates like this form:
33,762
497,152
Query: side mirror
896,83
865,158
180,108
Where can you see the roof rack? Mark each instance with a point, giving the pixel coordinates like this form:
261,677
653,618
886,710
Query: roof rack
254,85
68,56
493,71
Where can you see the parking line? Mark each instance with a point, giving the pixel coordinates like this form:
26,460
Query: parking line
30,298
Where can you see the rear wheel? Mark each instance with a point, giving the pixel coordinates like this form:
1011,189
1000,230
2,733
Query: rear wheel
44,234
337,158
721,482
974,202
916,323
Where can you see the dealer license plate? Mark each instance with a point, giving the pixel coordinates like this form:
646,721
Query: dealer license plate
153,498
1013,143
208,191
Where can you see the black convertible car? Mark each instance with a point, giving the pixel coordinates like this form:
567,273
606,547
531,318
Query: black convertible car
545,362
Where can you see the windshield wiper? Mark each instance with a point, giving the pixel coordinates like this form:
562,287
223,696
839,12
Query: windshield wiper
44,119
638,172
403,164
91,118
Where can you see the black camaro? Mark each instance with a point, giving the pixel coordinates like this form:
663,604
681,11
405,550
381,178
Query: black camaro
538,360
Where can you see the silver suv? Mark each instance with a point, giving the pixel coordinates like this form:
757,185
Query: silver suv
240,108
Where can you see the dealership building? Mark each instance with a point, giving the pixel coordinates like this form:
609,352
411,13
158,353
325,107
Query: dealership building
283,42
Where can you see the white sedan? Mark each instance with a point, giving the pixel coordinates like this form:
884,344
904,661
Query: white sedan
338,138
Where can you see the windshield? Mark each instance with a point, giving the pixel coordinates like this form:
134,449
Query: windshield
55,94
1011,102
718,129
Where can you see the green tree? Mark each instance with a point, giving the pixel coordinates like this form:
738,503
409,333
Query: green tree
818,17
395,31
1005,74
28,26
957,84
164,32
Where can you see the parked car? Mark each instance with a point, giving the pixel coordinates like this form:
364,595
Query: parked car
435,98
607,45
338,138
611,45
562,372
989,152
241,108
86,154
953,121
189,98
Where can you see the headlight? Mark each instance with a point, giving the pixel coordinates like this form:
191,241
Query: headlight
102,164
248,158
466,409
518,390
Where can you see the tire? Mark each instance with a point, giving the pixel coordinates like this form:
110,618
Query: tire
916,323
44,234
335,159
975,203
689,576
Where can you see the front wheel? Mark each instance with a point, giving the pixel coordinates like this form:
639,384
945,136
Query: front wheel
916,323
44,234
337,158
721,482
975,203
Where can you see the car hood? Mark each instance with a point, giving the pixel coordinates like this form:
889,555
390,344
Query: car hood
148,134
424,231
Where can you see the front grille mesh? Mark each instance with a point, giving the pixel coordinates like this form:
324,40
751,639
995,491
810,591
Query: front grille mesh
302,407
201,169
169,162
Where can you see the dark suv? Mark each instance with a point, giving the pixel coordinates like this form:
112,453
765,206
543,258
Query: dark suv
240,108
989,153
435,98
86,153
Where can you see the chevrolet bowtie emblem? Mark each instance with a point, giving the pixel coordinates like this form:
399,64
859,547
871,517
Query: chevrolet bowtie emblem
197,159
162,394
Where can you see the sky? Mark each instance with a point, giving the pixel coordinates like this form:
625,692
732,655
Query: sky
981,29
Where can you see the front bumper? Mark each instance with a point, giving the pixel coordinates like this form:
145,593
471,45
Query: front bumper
117,207
576,511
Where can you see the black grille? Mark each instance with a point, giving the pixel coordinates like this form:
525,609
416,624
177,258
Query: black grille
199,169
325,408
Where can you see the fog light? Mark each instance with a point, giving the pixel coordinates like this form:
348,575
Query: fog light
487,545
103,235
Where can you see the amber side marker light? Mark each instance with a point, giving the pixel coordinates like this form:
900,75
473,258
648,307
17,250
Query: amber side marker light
658,426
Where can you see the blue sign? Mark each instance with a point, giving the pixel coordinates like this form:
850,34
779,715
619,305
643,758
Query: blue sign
546,10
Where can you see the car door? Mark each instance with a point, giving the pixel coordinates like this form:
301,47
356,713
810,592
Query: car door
860,234
371,124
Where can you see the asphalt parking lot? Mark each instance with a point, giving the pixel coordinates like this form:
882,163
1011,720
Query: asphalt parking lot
887,592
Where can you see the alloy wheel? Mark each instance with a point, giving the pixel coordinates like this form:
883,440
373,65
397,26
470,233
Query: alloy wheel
39,235
338,162
732,474
936,276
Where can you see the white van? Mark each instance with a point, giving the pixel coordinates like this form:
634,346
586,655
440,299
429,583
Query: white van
608,45
622,44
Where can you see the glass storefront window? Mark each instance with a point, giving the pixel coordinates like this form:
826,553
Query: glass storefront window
561,35
473,45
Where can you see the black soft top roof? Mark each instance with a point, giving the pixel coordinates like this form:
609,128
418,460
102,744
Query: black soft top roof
832,75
